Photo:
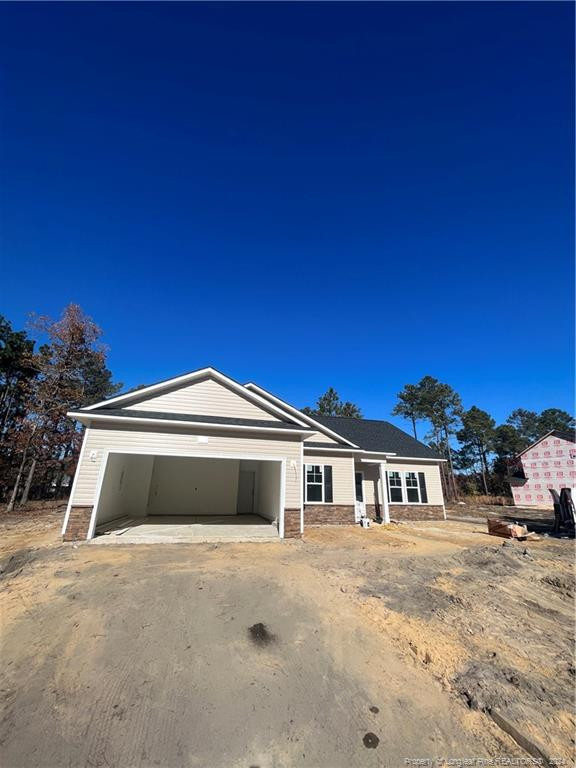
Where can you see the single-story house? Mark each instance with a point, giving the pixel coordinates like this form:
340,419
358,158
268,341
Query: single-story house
204,445
547,464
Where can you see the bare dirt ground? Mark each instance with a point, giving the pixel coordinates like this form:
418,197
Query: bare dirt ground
351,648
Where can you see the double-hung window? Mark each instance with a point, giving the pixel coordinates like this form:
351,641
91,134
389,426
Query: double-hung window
318,483
412,490
395,484
407,488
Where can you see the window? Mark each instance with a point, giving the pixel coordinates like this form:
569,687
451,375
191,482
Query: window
314,482
412,490
409,487
318,483
395,484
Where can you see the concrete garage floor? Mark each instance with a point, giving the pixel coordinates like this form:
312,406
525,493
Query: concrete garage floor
174,529
348,649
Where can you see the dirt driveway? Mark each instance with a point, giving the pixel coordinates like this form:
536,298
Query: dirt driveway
336,651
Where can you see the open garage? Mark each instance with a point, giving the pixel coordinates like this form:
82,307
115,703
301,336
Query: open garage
149,498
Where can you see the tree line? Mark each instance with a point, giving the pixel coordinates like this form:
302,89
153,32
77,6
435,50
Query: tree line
65,368
477,451
40,381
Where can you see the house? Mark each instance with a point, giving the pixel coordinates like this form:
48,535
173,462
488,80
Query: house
547,464
205,445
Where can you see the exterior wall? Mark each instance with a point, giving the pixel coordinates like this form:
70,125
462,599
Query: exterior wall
320,437
292,524
431,473
175,441
78,523
372,493
328,514
551,463
342,475
409,511
205,398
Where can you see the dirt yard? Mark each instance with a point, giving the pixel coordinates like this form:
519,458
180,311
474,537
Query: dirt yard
351,648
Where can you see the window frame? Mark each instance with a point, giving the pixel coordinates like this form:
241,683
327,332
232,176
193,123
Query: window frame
321,483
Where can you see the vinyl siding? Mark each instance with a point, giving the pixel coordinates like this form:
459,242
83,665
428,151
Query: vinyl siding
204,398
320,437
342,476
174,441
431,472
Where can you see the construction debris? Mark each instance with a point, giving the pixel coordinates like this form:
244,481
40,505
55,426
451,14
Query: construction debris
510,530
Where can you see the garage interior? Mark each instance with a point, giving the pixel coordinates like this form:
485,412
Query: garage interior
175,498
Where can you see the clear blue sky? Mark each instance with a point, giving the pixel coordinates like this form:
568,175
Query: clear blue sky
305,195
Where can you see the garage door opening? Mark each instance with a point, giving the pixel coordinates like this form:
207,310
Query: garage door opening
182,498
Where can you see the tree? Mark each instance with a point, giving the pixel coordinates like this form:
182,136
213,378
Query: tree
555,418
329,404
477,438
71,371
507,442
409,405
526,424
442,406
16,373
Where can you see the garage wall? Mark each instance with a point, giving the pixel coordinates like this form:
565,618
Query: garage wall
125,487
268,495
167,440
199,486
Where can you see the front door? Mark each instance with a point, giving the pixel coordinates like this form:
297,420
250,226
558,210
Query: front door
360,507
245,493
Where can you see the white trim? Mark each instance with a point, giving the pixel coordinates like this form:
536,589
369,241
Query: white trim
282,498
359,472
190,377
384,491
333,448
414,458
302,416
89,417
248,457
80,457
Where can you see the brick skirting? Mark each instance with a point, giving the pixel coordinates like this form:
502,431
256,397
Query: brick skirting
329,514
408,511
292,524
78,524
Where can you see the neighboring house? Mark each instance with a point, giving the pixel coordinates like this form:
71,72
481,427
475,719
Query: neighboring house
203,444
550,463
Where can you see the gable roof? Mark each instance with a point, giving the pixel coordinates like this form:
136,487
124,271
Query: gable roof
570,437
189,378
377,436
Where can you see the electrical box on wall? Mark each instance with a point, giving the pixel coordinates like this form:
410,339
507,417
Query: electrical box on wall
202,439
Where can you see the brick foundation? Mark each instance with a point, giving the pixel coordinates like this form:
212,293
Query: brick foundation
292,524
329,514
78,524
407,512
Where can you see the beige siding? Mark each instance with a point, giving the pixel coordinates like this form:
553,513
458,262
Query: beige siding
174,441
431,472
205,398
342,475
320,437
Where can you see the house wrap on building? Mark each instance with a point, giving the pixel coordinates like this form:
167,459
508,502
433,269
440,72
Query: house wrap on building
550,463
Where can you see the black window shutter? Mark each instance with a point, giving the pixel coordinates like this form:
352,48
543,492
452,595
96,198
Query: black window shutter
422,484
387,486
328,483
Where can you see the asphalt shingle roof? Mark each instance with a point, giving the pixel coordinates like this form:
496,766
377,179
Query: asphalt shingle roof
134,414
373,435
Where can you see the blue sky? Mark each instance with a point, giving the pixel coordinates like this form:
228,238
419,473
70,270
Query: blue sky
304,195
